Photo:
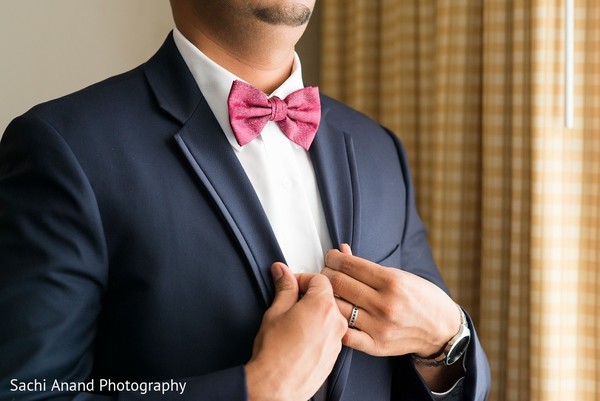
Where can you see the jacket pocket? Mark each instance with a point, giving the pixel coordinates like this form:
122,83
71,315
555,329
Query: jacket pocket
392,258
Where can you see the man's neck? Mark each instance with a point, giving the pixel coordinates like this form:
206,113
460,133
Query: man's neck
265,67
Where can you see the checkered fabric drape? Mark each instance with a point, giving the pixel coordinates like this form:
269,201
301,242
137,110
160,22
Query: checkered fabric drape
510,196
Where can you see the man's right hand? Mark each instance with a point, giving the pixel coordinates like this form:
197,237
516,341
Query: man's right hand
298,341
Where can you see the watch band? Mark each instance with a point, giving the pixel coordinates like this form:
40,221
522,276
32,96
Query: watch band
454,349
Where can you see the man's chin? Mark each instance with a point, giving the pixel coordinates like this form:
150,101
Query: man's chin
294,15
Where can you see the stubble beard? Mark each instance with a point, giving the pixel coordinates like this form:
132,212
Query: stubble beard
293,15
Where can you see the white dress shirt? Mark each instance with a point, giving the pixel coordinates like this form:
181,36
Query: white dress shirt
280,171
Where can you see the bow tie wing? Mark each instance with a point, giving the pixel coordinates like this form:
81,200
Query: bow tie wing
303,116
249,111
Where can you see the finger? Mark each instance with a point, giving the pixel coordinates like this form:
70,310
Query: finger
304,281
319,295
363,320
317,284
346,250
361,341
360,269
349,288
286,288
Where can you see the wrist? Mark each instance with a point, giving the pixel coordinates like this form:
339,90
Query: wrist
260,385
453,350
252,382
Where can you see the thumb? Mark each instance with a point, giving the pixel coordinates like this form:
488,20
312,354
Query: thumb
286,288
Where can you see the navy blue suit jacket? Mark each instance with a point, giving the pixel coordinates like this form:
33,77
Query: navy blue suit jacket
133,246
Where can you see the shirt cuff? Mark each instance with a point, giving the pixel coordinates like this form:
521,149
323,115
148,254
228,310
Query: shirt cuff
456,391
454,394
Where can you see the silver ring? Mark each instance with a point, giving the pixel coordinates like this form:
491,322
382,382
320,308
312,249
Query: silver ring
353,316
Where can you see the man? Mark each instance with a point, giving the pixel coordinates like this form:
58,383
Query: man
143,226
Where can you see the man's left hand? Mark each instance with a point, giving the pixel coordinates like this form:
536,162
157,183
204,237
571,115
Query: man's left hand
399,312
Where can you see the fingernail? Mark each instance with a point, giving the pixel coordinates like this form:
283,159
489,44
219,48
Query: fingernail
277,271
345,248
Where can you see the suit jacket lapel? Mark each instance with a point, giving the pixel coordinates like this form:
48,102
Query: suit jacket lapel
211,157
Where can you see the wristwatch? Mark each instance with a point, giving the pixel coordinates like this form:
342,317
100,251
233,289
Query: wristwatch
455,348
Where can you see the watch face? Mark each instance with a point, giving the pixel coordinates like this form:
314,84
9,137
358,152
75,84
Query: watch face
457,350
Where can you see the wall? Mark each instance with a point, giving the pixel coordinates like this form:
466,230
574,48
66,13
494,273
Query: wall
309,49
52,47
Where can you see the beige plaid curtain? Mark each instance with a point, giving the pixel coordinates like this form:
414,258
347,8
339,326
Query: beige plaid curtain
511,198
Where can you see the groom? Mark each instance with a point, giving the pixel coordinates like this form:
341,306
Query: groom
205,218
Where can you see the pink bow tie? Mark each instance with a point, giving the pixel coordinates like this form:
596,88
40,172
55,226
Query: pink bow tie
298,115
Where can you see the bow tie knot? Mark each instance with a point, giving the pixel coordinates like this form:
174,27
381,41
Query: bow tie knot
298,115
279,109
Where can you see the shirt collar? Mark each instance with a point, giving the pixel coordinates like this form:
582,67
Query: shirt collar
215,82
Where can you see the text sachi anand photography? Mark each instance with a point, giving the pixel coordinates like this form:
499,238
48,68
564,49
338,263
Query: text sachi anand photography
98,386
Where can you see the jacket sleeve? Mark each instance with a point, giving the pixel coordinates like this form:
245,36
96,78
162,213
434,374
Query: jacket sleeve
54,271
